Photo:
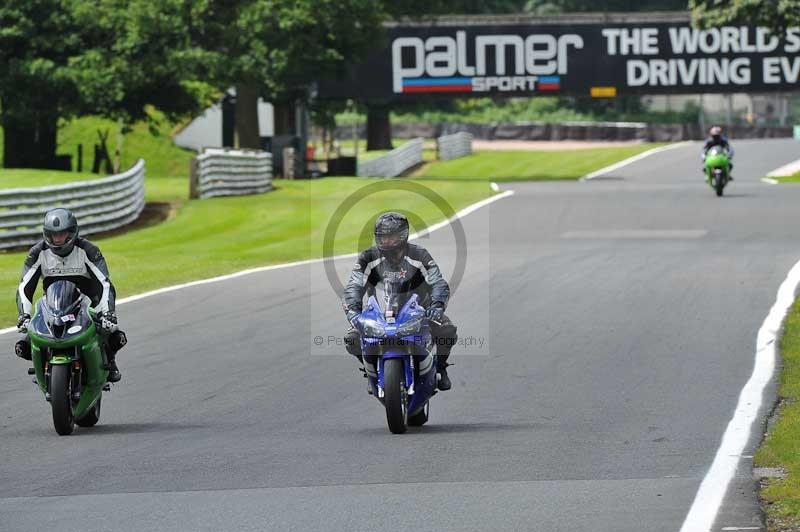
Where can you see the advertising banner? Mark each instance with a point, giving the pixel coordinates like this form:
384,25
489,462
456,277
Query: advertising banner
599,60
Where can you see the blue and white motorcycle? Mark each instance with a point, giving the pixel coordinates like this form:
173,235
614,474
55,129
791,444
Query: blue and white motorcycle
399,357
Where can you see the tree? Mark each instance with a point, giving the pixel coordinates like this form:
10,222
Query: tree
548,7
778,14
276,48
60,58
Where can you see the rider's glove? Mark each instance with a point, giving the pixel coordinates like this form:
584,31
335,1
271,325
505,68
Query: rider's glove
23,321
108,320
352,317
435,312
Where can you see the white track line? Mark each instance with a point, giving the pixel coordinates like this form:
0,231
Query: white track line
712,490
786,170
769,181
629,160
460,214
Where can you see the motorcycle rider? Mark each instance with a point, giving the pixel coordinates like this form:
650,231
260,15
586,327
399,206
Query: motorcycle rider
393,257
63,255
716,138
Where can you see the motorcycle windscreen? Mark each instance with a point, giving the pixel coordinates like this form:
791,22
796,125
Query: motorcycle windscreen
391,296
62,312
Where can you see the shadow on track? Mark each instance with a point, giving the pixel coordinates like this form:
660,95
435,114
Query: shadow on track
459,428
135,428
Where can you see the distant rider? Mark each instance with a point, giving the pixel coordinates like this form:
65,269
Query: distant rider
63,255
716,138
393,257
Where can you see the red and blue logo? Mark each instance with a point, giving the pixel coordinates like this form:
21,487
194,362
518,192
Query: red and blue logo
482,84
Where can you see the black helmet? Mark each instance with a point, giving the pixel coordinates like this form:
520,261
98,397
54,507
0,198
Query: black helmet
57,224
391,234
715,132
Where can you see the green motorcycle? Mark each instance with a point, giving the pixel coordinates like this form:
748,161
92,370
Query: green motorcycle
718,168
67,357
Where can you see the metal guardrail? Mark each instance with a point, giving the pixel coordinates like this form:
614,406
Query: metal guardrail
453,146
99,204
393,163
220,172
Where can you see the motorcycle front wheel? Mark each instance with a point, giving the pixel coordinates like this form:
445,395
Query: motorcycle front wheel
395,397
61,398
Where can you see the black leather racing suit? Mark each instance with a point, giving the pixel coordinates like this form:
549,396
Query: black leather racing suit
84,266
419,274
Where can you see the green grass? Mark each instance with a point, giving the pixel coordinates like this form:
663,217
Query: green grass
780,448
23,178
166,165
162,157
795,178
530,165
224,235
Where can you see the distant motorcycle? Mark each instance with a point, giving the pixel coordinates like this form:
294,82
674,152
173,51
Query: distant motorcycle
718,168
399,357
67,358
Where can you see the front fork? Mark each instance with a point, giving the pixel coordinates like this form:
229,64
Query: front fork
408,365
72,359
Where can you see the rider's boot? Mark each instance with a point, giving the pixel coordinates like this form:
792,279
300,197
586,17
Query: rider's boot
23,349
444,383
113,371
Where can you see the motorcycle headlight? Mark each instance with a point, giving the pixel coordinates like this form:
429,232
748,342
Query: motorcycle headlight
410,328
373,329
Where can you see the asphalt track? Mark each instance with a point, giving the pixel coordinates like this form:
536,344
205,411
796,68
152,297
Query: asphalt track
619,320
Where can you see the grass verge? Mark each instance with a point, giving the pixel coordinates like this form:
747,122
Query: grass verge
531,165
795,178
212,237
781,498
24,178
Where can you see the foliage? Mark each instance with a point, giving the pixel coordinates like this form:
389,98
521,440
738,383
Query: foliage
540,109
775,14
111,57
549,7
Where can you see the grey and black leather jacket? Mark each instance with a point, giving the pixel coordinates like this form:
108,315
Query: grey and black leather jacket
417,272
84,266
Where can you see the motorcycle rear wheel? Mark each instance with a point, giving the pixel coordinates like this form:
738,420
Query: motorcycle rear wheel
395,398
61,399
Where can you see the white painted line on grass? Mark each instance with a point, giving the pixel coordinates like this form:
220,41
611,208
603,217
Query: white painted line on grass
494,186
712,490
460,214
629,160
786,170
769,181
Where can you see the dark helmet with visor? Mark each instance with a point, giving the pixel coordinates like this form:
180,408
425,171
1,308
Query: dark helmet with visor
716,133
60,231
391,234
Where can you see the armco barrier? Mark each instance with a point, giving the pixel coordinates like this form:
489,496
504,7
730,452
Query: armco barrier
453,146
393,163
220,172
99,204
598,131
